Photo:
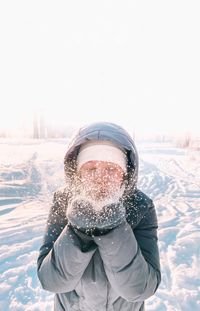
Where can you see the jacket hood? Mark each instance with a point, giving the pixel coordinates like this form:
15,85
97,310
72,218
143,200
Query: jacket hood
109,132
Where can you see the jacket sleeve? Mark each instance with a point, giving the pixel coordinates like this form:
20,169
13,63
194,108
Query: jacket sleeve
131,258
63,256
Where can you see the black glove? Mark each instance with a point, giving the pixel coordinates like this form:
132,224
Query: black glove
82,215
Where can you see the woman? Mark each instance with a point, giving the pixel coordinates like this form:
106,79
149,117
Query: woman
100,250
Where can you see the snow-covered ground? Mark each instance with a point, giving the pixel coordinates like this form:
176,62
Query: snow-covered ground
30,171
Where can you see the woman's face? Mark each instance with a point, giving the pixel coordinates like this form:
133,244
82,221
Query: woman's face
101,179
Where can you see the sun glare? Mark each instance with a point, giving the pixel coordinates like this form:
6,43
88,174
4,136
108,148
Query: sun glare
143,119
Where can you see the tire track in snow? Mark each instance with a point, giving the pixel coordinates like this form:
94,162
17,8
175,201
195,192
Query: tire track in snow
176,193
19,245
23,181
29,184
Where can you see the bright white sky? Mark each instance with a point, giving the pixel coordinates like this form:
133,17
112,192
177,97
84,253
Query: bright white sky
132,62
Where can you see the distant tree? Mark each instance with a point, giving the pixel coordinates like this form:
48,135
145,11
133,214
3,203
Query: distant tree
42,126
184,141
35,126
3,134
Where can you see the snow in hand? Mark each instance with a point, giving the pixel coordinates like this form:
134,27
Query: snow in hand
31,170
100,212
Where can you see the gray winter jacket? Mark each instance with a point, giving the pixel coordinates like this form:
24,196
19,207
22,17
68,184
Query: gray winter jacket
116,271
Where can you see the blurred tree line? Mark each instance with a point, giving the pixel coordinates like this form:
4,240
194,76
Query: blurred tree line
41,129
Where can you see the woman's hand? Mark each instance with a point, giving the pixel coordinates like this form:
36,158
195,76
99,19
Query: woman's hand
82,215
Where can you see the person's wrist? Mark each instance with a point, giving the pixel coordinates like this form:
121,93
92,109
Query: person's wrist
81,234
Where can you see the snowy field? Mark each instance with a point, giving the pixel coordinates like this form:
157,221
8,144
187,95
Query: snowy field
31,170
